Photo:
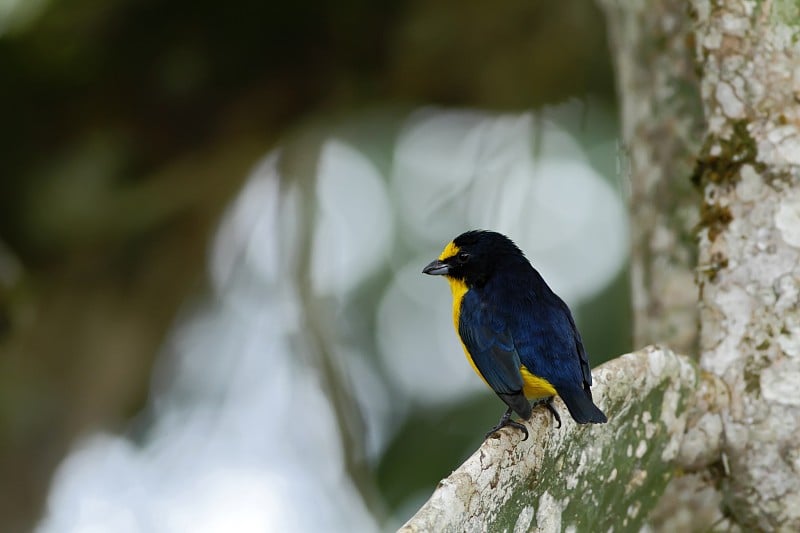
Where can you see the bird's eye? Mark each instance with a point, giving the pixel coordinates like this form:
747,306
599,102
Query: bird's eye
463,257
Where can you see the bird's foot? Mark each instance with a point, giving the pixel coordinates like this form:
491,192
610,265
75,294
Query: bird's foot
505,420
549,404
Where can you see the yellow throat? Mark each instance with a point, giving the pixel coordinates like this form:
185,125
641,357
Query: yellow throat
459,288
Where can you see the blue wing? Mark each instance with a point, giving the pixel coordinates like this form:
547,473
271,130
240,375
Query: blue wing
485,333
533,328
548,342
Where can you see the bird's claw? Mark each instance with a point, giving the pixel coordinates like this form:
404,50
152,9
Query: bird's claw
549,404
509,423
506,421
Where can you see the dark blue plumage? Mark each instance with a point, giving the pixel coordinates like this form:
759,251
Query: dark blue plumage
518,334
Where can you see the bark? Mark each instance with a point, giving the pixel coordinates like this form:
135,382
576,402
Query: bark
749,244
579,478
651,43
747,65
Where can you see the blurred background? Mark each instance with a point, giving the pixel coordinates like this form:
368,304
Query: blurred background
213,219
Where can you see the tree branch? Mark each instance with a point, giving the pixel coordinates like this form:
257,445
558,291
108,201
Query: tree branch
569,478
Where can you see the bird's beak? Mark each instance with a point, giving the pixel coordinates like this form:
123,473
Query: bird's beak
436,268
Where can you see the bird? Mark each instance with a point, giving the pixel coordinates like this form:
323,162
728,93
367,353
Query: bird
518,335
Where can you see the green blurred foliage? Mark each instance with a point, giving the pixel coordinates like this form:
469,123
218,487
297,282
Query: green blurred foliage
128,125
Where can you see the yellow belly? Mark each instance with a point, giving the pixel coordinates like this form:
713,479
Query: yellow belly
535,387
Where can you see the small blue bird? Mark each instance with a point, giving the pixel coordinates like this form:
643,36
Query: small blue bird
518,335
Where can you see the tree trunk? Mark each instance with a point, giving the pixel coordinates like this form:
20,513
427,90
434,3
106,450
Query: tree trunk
749,248
662,131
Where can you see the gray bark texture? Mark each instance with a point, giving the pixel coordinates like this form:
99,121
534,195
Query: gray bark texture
748,171
710,98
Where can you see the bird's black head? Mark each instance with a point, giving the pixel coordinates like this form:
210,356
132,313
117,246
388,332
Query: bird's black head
474,256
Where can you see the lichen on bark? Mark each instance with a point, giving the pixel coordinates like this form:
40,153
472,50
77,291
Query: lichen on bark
746,58
578,478
749,54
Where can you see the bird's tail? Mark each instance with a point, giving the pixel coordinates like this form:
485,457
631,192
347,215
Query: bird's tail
581,407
